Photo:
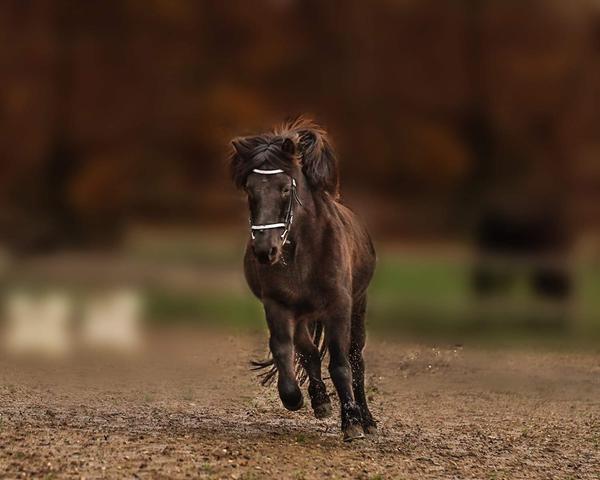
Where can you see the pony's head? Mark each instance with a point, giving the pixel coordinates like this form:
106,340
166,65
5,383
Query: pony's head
268,168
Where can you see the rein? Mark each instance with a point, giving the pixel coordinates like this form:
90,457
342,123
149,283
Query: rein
289,214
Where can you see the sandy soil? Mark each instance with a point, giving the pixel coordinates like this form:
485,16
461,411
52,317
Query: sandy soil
189,408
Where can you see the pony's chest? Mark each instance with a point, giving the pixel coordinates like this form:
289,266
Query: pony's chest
287,286
301,285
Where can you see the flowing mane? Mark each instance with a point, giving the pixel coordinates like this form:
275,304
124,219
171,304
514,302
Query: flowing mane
311,147
319,161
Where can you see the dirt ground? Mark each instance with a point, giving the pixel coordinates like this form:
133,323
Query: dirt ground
189,408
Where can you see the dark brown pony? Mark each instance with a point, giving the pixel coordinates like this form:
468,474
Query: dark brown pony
310,262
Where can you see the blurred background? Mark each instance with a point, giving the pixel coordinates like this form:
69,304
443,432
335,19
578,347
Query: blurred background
467,133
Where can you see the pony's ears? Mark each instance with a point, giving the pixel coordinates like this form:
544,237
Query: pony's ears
238,157
240,146
319,162
288,146
243,146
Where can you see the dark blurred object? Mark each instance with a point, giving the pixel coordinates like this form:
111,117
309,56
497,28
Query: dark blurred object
534,245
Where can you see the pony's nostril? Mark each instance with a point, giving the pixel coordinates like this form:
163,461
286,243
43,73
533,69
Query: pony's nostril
272,253
262,256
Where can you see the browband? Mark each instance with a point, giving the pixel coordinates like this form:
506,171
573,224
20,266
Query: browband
267,172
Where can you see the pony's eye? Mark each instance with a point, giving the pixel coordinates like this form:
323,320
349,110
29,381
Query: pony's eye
285,190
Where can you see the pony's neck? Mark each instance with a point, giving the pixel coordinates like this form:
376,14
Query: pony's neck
308,217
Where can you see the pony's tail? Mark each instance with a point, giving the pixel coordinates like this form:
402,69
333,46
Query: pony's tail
268,377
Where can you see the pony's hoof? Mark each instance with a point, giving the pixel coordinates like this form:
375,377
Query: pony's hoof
370,429
293,408
323,411
353,432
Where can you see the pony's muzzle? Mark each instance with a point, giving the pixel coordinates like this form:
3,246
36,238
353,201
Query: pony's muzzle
266,247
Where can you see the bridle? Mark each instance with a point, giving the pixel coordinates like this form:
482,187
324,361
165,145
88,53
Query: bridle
289,213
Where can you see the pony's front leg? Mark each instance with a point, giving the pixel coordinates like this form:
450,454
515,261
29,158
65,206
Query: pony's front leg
281,343
338,334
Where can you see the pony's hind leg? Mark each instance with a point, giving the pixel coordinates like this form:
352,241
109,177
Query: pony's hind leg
310,359
357,363
338,338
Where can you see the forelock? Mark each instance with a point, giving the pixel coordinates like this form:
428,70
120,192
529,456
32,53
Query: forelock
261,151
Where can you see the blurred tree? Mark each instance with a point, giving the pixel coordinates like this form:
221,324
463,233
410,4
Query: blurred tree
122,110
